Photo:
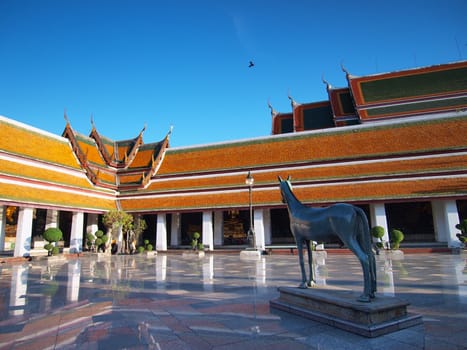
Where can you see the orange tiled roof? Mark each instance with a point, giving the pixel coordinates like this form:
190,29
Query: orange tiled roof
56,196
410,188
341,143
391,154
26,141
25,171
89,148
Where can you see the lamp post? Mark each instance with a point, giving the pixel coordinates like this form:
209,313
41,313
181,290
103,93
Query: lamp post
249,180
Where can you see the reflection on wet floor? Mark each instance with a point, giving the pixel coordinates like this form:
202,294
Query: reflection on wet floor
217,301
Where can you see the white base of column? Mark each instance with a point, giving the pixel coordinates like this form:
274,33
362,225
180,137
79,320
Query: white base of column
250,254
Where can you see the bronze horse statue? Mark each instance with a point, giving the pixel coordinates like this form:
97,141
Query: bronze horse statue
345,221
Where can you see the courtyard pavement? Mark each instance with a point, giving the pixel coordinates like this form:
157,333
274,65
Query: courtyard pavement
219,301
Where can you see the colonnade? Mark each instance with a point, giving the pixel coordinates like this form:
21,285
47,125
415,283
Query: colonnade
445,218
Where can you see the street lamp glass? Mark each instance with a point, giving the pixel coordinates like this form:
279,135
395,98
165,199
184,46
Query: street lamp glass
249,180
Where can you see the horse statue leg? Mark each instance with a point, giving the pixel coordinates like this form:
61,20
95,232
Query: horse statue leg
302,285
373,273
355,247
311,281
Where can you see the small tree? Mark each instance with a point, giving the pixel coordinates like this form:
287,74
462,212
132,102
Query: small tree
462,226
139,225
114,219
52,235
397,237
131,226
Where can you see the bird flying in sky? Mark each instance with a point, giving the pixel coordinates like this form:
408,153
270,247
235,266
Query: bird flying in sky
251,64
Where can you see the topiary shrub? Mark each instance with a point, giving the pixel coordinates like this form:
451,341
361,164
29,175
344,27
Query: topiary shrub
52,235
397,237
98,243
101,240
149,247
378,233
49,247
140,249
195,244
55,251
90,238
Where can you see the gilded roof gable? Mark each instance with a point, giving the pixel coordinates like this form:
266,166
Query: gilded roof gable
116,164
434,89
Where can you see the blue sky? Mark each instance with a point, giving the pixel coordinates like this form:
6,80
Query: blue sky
131,63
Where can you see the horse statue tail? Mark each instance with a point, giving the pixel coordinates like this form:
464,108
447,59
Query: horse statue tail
367,246
364,226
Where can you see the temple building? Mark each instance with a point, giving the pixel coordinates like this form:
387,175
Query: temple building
393,144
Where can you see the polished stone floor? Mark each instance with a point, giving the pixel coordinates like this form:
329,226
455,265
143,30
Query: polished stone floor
219,301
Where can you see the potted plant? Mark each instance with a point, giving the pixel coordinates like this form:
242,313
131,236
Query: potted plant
52,235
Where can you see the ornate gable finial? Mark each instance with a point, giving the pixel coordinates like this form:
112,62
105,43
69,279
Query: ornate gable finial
344,69
292,101
66,117
273,111
328,86
92,122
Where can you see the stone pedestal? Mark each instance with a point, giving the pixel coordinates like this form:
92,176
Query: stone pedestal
340,308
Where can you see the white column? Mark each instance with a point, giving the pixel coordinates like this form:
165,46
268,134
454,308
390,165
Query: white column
74,274
51,219
208,272
76,236
24,232
445,219
267,226
218,228
92,223
18,289
161,232
258,221
175,230
208,234
161,269
261,272
2,227
378,218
